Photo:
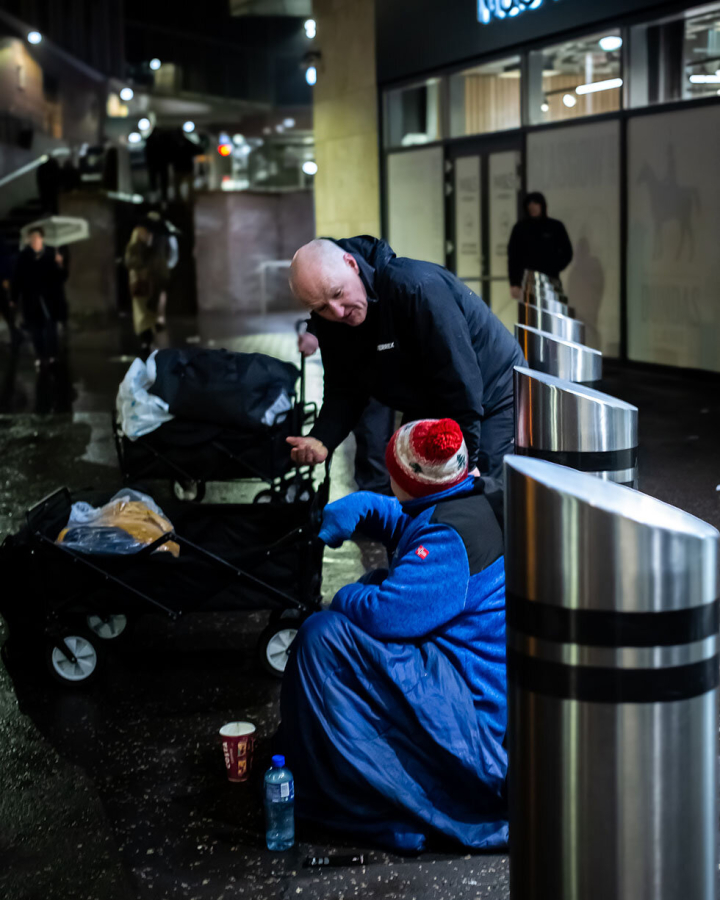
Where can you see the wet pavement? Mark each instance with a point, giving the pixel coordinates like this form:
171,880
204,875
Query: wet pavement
120,791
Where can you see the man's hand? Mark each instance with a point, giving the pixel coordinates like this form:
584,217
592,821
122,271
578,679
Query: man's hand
307,343
516,292
58,259
307,451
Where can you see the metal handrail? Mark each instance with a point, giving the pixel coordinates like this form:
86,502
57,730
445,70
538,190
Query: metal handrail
34,164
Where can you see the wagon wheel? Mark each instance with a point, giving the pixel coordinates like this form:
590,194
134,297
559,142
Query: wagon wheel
274,646
189,491
300,493
108,627
75,659
268,496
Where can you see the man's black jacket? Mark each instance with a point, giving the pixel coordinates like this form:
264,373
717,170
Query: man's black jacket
429,348
539,244
38,285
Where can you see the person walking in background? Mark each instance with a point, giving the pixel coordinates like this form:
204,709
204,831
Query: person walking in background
538,243
37,287
145,273
164,240
49,180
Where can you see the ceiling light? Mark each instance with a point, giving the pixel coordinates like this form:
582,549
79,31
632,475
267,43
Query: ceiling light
155,64
610,43
289,123
309,167
545,107
569,101
127,94
144,124
134,137
600,86
188,127
311,75
34,37
705,79
310,28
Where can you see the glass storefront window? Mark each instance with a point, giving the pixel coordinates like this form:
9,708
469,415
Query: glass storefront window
676,58
413,114
578,78
485,98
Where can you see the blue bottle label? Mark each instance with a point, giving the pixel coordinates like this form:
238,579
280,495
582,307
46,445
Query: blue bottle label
280,793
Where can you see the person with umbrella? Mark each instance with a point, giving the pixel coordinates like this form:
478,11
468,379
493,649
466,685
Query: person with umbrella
38,289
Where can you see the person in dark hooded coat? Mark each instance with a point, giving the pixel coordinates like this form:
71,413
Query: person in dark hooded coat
537,243
419,341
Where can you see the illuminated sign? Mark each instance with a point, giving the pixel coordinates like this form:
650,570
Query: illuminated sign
505,9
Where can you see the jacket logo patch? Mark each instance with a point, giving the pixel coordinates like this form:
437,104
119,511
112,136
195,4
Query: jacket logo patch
422,552
389,346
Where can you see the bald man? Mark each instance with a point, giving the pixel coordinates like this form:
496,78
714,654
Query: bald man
411,335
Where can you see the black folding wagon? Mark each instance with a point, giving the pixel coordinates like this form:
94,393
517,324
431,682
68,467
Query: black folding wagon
188,454
73,606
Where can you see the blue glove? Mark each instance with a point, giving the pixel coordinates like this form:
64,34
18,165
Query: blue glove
341,518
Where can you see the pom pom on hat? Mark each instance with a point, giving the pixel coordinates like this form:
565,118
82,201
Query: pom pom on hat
428,456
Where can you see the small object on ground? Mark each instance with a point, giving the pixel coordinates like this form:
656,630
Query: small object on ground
238,740
334,861
279,806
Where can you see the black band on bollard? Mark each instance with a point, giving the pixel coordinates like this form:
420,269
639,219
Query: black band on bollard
597,628
602,685
585,461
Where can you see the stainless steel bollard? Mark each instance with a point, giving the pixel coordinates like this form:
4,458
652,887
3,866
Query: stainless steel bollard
540,279
575,426
545,292
563,359
612,624
559,325
548,300
550,303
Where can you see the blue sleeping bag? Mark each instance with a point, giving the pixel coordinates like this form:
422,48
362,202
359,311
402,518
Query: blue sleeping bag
394,701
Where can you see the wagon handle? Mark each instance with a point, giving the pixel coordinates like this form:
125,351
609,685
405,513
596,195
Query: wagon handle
46,501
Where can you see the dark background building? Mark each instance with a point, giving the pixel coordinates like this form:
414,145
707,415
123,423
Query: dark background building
611,107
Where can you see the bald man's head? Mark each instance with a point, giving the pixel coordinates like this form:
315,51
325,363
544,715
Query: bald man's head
326,280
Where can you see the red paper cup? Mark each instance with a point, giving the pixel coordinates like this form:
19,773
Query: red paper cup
238,740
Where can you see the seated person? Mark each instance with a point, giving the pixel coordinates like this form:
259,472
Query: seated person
394,701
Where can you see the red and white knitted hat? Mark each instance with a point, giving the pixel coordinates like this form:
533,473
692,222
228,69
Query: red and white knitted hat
427,456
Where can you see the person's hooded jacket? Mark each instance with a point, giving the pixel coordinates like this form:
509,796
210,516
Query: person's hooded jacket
429,347
539,243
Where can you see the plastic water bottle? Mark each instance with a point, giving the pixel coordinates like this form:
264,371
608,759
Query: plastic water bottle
279,806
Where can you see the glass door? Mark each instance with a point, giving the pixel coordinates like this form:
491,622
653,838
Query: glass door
485,194
503,200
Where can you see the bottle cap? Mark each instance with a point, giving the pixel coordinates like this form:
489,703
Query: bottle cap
278,762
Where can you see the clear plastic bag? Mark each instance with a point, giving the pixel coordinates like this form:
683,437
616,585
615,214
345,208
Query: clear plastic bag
139,411
124,525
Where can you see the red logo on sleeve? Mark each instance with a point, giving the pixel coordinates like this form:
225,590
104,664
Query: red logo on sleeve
422,552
